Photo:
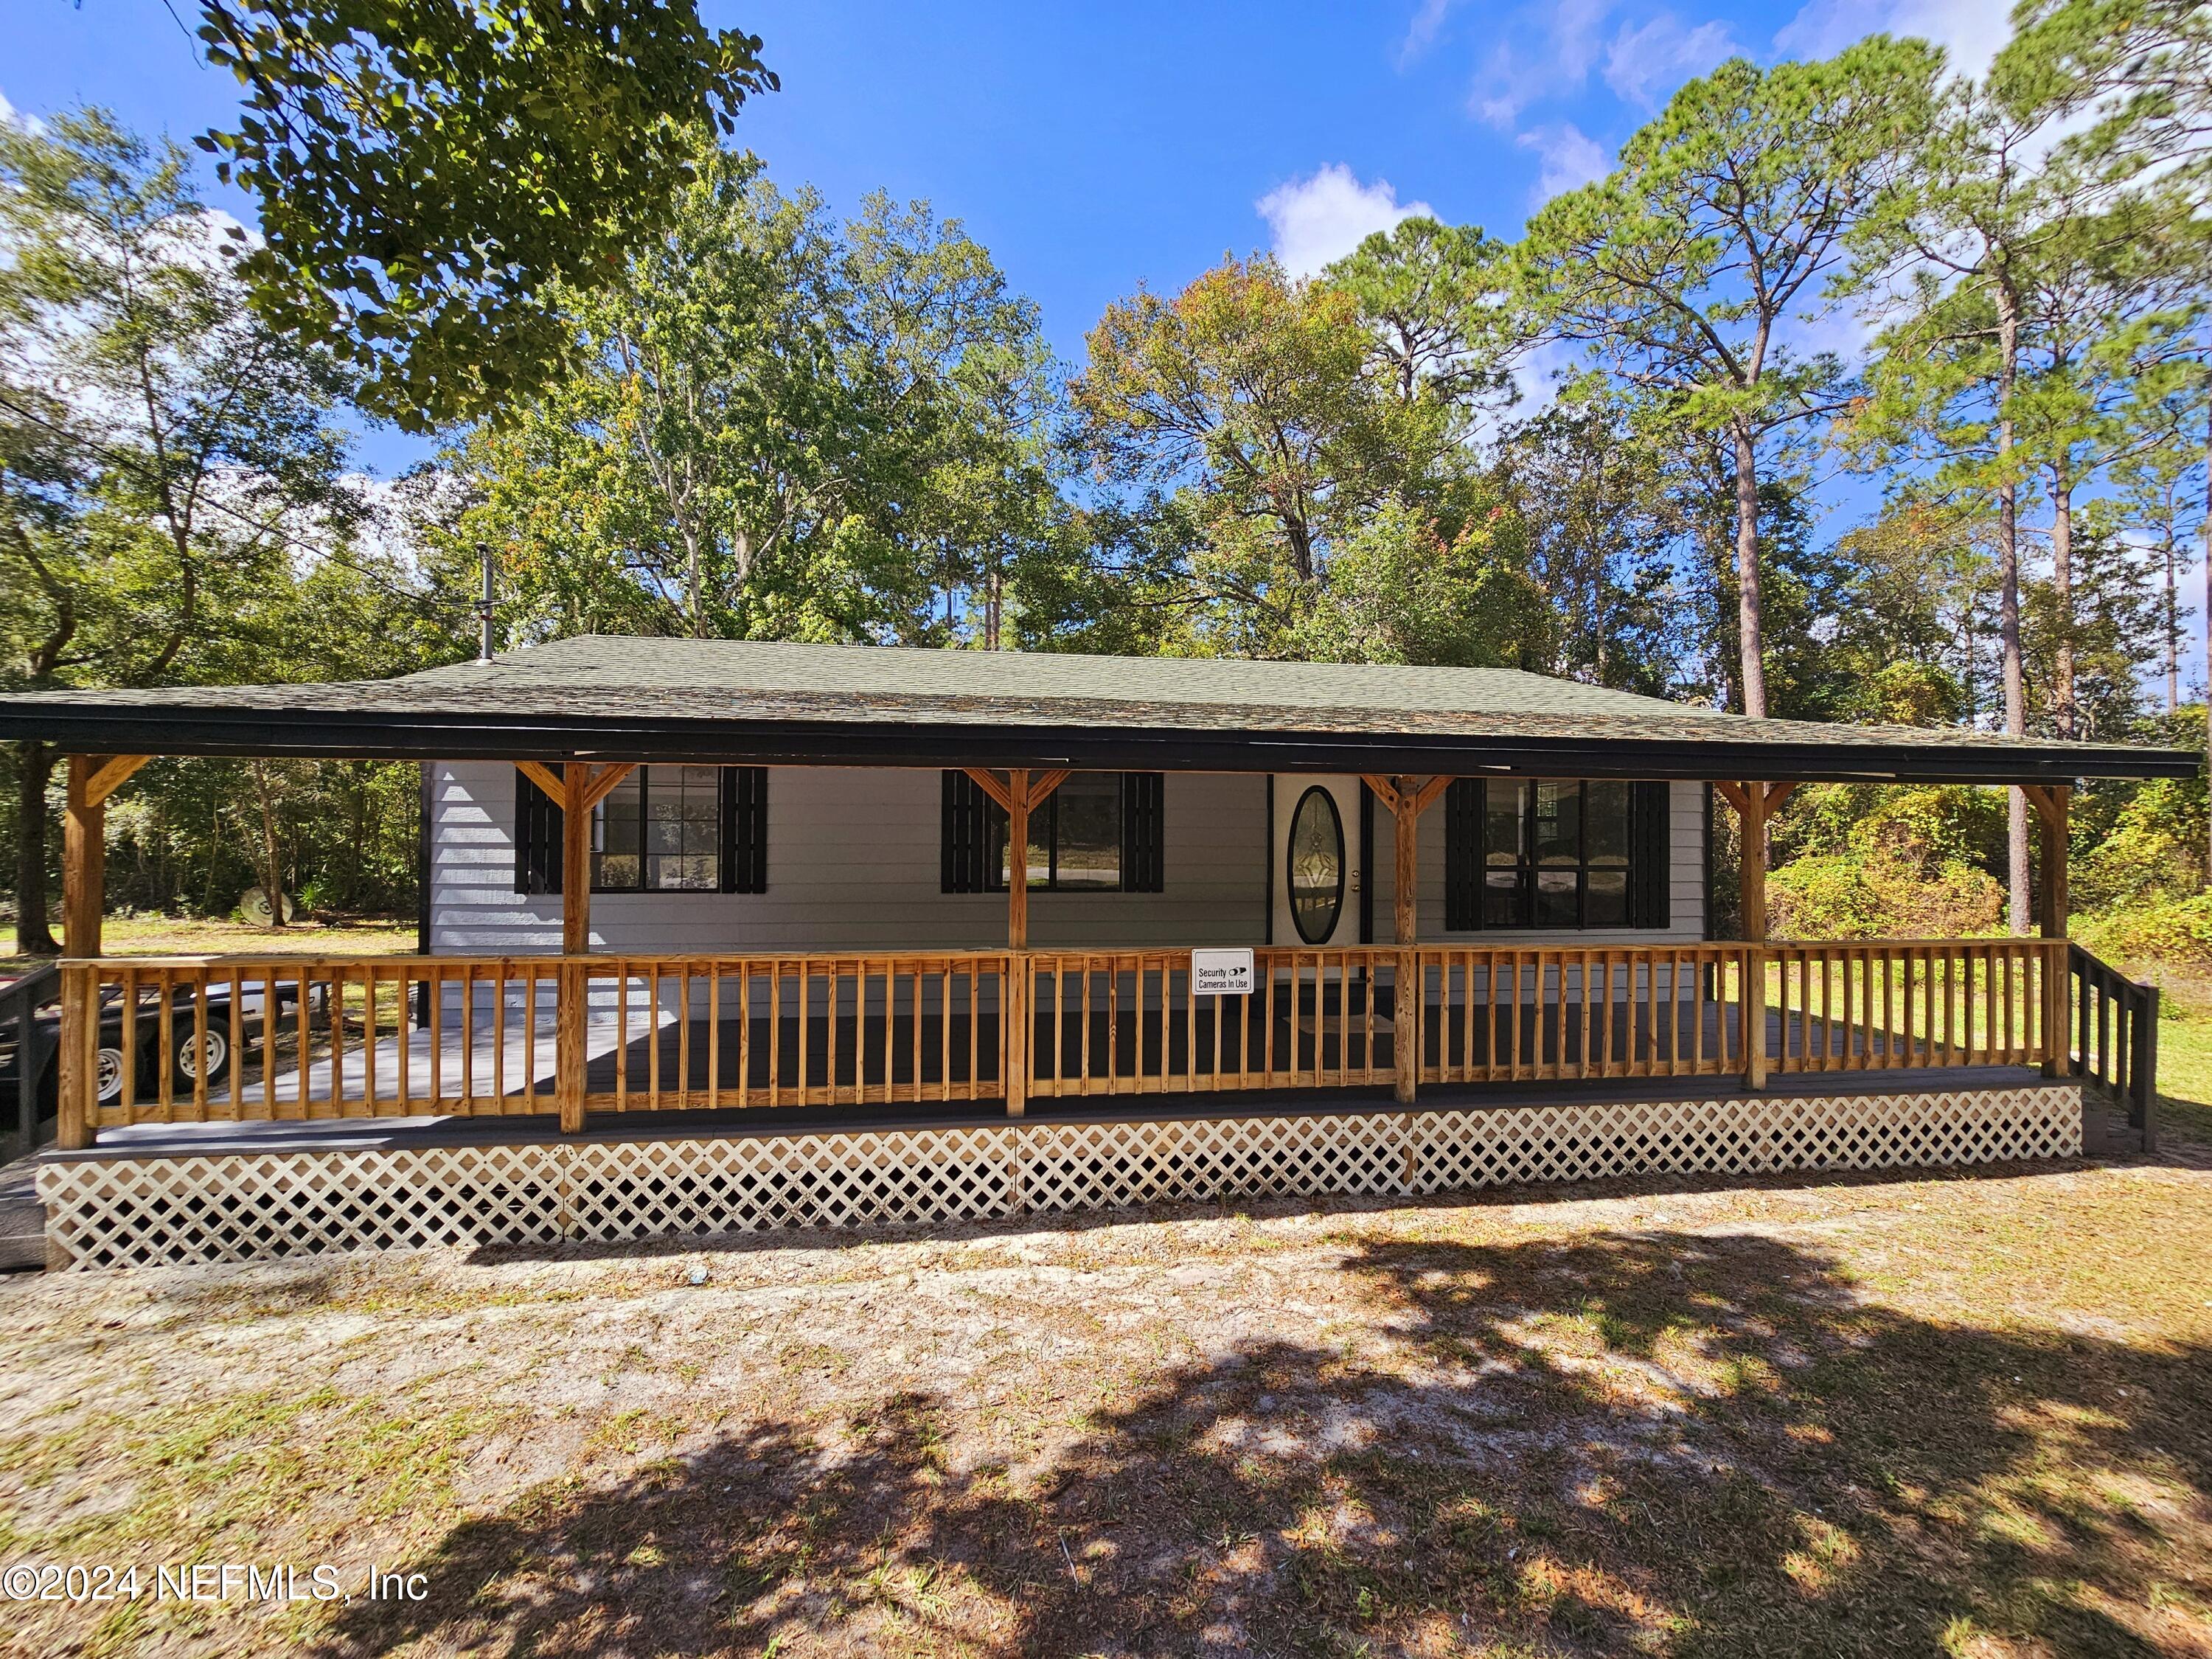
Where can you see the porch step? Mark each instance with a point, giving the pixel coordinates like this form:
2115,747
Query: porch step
22,1219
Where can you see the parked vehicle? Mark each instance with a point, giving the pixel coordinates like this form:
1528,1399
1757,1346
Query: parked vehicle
193,1052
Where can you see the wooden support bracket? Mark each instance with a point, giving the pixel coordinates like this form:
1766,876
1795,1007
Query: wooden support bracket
2048,806
602,783
1038,790
545,778
110,775
576,786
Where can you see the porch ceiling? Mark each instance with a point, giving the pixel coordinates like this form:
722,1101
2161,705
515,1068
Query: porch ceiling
750,703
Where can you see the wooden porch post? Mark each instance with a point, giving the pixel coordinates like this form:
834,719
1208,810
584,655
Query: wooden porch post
92,780
1754,804
1018,941
575,989
1404,907
1017,859
2052,805
1406,799
579,787
84,860
1017,794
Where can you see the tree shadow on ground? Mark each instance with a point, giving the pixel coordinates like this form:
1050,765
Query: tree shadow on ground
1629,1443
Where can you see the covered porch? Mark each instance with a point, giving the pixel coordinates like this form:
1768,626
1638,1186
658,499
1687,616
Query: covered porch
573,1047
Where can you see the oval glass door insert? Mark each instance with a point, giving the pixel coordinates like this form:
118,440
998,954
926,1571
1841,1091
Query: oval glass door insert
1316,866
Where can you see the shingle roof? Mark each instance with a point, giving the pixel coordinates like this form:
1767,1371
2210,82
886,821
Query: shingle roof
759,700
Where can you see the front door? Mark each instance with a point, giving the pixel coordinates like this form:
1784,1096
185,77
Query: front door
1316,862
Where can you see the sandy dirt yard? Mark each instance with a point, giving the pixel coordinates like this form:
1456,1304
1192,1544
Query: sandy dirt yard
1965,1415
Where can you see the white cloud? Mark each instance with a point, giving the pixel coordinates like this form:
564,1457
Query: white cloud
1646,62
1323,218
1569,158
1547,51
10,116
1969,31
1421,32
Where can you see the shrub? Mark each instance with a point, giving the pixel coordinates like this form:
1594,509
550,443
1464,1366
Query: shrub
2156,940
2153,854
1855,895
1823,896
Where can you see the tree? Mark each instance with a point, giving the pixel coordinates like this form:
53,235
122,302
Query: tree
2141,71
1248,390
1602,525
149,510
1679,272
2142,67
776,428
1948,259
1433,297
1247,401
2163,497
2106,340
428,171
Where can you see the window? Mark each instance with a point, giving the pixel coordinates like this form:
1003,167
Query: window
1316,866
1555,854
662,830
1099,832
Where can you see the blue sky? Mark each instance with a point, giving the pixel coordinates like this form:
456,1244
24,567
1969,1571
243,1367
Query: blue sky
1095,148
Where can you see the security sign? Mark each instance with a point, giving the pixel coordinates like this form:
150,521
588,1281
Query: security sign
1221,973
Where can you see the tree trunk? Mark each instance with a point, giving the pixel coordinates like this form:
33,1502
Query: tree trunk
272,867
1751,617
2062,584
693,580
2021,901
2205,528
2172,626
34,933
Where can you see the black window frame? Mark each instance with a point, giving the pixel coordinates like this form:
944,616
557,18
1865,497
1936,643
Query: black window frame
741,859
1650,874
973,839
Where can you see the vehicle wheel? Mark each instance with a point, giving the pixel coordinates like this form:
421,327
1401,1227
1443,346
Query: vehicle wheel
209,1057
110,1072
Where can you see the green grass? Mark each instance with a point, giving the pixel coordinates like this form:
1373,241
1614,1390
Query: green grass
196,936
2185,1068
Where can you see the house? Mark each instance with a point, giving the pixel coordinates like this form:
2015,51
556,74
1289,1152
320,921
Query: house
732,934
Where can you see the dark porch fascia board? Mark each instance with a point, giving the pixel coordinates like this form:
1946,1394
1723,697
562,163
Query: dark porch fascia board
455,737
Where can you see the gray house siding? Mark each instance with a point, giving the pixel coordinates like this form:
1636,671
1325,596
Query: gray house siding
853,865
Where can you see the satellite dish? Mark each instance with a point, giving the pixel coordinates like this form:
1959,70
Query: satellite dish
253,906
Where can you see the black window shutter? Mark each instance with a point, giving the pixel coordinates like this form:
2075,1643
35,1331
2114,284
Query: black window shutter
973,830
1650,855
1463,855
744,828
1143,833
537,838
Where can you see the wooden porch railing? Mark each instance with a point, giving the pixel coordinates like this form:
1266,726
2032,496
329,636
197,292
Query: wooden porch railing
278,1039
2115,1038
1125,1022
28,1039
1888,1004
236,1039
1510,1014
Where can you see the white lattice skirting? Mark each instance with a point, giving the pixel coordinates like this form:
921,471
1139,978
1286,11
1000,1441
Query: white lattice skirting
134,1212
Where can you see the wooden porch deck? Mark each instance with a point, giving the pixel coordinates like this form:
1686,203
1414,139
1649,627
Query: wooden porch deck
542,1127
1099,1055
